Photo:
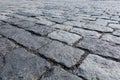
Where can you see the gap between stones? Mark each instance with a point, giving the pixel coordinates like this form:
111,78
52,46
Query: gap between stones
51,61
88,51
33,33
106,57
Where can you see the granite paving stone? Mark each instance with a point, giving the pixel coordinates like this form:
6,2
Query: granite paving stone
59,40
97,27
58,73
3,17
1,23
98,68
61,53
62,27
100,47
114,26
53,12
86,33
111,38
116,33
41,29
101,22
20,22
28,14
116,18
23,37
64,36
21,64
90,26
74,23
6,46
57,20
45,22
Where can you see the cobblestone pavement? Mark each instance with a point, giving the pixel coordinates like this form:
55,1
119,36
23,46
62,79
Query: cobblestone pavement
59,40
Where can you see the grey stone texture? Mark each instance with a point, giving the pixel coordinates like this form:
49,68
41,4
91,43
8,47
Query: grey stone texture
116,33
45,22
57,73
23,37
1,23
86,33
90,26
96,27
41,30
111,38
59,40
57,20
6,46
100,47
62,27
20,22
98,68
64,36
61,53
74,23
22,65
114,26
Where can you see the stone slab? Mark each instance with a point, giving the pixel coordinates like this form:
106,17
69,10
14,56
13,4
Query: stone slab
61,53
23,65
98,68
100,47
64,36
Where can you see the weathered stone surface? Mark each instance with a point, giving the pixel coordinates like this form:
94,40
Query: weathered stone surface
93,17
28,14
1,23
62,27
104,16
86,33
97,27
89,18
104,22
64,36
98,68
23,37
117,18
90,26
20,22
29,25
111,38
25,24
1,62
114,26
40,29
6,46
116,33
53,13
59,74
61,53
15,16
3,17
57,20
22,65
44,22
101,22
74,23
100,47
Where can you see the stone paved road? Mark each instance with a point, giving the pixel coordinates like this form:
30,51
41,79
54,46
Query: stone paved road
59,40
